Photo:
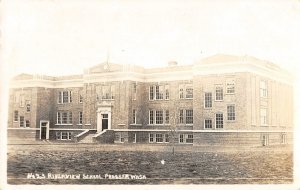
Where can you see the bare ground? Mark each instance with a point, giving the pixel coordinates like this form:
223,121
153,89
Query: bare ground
189,165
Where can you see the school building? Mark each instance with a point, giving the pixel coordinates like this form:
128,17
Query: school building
219,100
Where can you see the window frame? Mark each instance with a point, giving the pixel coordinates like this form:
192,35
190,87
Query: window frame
219,93
208,103
189,116
219,122
230,86
231,116
22,121
211,123
16,116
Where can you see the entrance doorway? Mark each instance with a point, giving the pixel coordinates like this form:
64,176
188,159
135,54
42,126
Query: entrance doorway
104,121
44,130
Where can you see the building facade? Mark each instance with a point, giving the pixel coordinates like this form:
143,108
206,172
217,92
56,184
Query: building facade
220,100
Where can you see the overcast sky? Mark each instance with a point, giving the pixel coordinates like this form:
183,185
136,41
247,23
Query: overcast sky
57,37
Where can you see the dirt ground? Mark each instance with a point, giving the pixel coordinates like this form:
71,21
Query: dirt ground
188,165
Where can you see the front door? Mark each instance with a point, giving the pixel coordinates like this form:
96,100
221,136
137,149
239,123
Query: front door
43,132
44,129
104,121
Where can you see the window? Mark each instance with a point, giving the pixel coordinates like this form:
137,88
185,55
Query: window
65,135
263,117
58,135
207,124
64,118
21,121
151,93
80,95
28,106
181,138
189,116
159,117
167,117
189,92
159,138
151,117
189,138
134,116
219,93
230,86
263,89
134,138
64,97
27,123
80,117
134,91
208,100
181,116
167,138
151,138
219,120
230,112
181,96
16,116
106,92
167,92
159,93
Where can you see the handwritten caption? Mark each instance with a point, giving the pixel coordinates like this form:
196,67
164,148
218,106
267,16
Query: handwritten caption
83,176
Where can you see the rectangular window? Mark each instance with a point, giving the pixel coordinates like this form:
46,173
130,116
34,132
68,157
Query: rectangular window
167,117
151,117
181,91
106,92
219,93
158,138
64,135
27,123
58,135
134,116
159,117
28,106
189,116
189,92
230,112
208,100
112,92
64,97
181,138
159,92
181,116
207,124
230,86
80,95
121,138
167,92
151,138
21,121
16,116
263,117
189,138
263,89
219,120
134,138
64,117
167,138
283,138
151,92
80,117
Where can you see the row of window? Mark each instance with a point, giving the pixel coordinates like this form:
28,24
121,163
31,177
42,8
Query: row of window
63,135
65,117
66,97
23,122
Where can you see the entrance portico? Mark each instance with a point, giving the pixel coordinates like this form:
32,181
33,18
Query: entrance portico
103,118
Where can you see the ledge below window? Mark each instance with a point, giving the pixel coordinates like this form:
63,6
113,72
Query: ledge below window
64,124
134,124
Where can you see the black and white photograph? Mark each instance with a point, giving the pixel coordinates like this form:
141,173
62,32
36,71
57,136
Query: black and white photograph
145,94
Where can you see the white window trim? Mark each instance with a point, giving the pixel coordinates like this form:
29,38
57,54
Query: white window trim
162,136
227,113
152,137
216,120
219,85
14,116
134,119
23,121
134,136
212,127
211,101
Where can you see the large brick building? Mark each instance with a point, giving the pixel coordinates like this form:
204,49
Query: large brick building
222,99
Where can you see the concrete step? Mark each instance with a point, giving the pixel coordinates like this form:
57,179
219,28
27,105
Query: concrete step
87,139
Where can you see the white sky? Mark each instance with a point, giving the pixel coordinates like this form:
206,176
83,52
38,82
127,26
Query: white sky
57,37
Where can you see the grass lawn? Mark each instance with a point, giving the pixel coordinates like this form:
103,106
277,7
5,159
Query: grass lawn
203,167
